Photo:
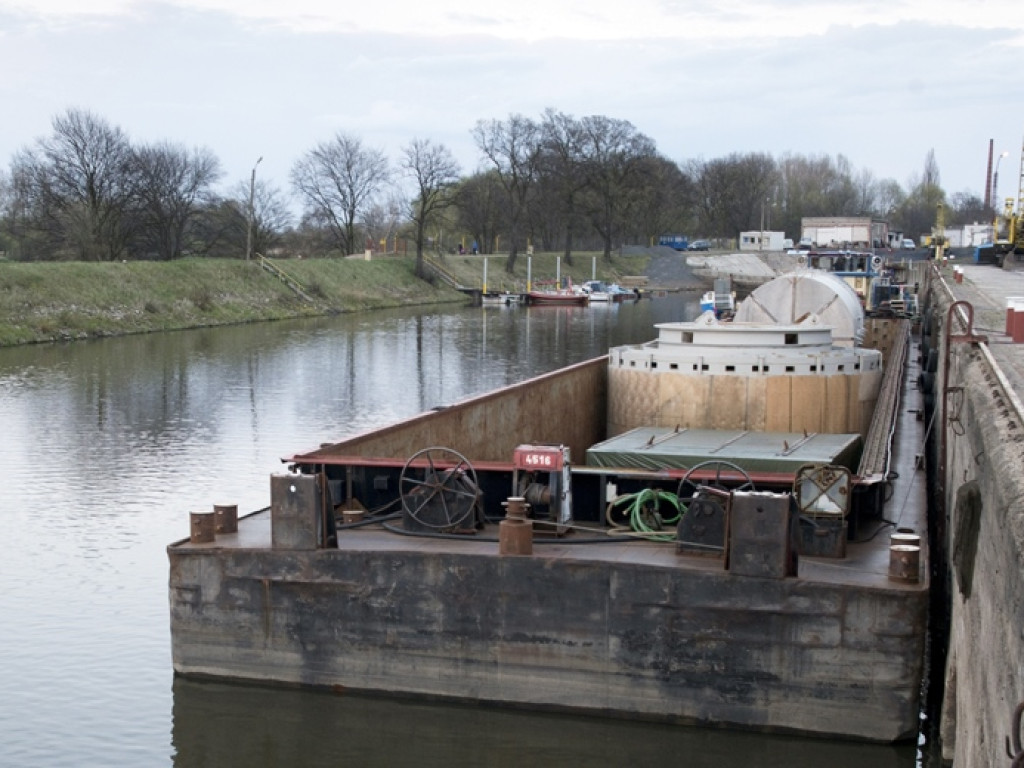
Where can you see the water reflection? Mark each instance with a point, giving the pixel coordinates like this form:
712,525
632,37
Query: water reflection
287,727
108,445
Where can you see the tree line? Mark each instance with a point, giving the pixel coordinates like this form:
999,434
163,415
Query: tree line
556,182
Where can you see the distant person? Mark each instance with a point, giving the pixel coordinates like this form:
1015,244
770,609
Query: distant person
476,249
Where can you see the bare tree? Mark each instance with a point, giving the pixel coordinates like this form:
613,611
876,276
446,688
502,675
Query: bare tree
513,148
866,193
481,208
734,193
338,180
564,162
10,211
172,184
435,171
966,208
383,219
888,198
807,186
663,203
78,182
226,221
919,210
617,155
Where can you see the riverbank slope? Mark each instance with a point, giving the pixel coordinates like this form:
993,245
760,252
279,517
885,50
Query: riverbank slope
42,302
61,301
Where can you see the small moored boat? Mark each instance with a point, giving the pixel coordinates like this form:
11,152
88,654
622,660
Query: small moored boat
561,296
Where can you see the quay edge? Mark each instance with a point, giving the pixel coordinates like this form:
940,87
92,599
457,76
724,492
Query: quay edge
975,462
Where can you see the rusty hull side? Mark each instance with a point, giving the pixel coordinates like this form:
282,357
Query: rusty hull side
566,407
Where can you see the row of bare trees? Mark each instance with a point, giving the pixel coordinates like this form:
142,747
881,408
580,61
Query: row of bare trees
558,182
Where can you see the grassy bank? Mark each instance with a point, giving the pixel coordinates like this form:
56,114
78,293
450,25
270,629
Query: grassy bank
74,300
42,302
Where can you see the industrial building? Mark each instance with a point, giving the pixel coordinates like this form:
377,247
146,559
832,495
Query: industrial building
844,232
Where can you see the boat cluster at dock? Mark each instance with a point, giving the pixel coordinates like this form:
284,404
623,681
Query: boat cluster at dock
591,291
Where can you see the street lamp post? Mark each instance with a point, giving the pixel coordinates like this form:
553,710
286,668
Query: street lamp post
995,181
251,211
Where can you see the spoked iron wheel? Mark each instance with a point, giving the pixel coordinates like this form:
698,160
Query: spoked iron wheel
438,488
688,486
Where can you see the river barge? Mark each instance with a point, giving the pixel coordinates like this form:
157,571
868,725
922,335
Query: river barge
722,526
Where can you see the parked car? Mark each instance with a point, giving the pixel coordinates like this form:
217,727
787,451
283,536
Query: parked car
908,244
699,245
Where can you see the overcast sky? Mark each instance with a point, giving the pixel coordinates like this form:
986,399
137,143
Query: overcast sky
881,83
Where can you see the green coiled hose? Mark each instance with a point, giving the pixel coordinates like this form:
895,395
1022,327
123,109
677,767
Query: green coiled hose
642,513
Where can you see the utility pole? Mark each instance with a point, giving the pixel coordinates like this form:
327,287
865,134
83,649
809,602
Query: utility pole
995,182
251,211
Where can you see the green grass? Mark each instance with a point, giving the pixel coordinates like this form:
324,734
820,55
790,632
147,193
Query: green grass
74,300
55,301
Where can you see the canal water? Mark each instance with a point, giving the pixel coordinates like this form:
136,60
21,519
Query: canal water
105,448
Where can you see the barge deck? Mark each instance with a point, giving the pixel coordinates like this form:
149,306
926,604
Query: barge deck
586,618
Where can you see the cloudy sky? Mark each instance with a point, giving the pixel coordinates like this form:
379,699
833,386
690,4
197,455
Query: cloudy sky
881,83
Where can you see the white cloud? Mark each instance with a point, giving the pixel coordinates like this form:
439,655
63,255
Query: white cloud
699,21
239,81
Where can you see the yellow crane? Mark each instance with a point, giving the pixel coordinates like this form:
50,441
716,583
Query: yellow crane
1009,225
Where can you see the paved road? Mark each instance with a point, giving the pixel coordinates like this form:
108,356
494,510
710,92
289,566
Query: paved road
668,269
987,288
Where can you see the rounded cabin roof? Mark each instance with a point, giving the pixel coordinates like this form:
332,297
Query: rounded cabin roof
791,297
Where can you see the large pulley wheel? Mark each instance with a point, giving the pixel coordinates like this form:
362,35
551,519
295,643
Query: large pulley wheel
438,488
689,487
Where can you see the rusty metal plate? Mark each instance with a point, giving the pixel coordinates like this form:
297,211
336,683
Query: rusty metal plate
296,502
702,528
762,535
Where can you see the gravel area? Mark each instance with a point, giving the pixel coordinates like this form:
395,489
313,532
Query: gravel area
680,270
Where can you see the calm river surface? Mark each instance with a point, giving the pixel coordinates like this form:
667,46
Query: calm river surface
105,448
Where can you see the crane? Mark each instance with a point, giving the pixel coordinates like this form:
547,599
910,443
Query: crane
1009,224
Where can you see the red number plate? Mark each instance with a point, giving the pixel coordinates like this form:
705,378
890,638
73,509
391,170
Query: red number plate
538,458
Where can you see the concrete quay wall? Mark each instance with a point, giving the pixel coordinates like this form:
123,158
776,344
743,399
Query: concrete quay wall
979,489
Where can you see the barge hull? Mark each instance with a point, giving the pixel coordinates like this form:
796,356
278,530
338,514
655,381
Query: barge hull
596,633
632,629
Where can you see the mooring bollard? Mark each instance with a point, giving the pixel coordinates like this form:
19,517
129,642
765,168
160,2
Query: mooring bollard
905,536
515,532
226,518
203,527
1018,322
904,563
